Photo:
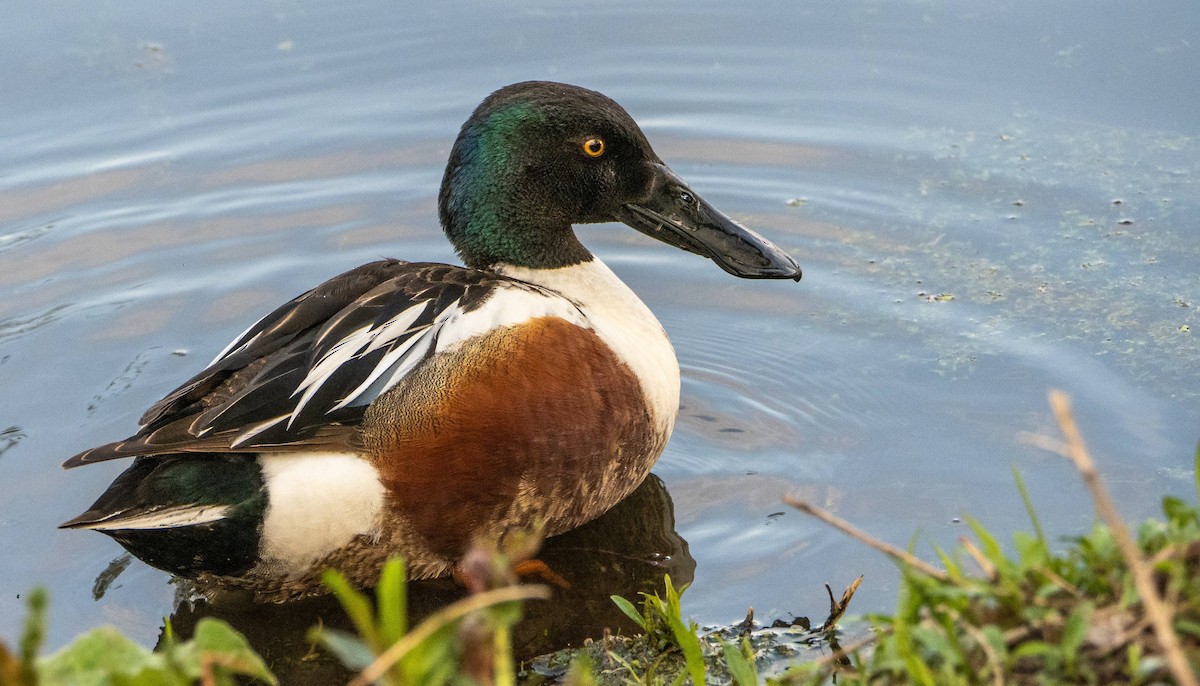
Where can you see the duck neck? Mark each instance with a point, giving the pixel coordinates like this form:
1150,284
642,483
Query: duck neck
488,236
493,204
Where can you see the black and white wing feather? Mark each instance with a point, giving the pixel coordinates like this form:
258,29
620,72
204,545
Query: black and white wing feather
304,374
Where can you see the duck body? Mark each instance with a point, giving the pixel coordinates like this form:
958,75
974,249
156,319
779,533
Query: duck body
409,408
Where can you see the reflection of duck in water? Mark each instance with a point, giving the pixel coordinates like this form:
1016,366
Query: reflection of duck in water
623,552
409,408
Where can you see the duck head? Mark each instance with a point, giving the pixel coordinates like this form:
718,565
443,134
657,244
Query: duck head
537,157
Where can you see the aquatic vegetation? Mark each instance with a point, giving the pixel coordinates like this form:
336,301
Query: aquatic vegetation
1110,608
672,650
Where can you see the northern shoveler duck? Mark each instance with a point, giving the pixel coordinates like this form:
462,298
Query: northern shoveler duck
409,408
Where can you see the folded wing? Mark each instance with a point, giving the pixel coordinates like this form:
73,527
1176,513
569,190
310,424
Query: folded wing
304,374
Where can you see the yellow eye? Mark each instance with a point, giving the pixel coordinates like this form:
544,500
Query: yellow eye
593,147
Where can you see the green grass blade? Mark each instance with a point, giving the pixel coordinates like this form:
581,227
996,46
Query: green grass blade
685,636
1074,631
101,654
1029,509
741,667
689,643
34,634
392,601
348,648
214,637
953,569
992,549
1186,626
629,610
357,607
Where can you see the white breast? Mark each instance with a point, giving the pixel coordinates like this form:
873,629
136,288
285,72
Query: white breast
623,322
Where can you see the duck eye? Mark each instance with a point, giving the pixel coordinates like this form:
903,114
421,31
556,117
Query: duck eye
593,147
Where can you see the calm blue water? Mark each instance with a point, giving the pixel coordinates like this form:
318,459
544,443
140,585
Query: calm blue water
988,199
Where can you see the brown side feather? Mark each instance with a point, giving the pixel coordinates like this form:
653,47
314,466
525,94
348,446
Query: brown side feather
539,421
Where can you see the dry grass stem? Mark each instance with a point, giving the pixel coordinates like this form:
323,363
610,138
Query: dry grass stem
1018,634
837,608
838,655
985,565
1160,615
992,658
1047,443
854,532
441,618
1057,580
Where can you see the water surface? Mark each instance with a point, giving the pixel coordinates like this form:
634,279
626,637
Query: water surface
988,200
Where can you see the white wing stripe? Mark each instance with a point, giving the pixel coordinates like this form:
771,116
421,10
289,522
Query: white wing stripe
399,325
410,361
341,351
384,365
255,430
168,518
359,343
237,344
